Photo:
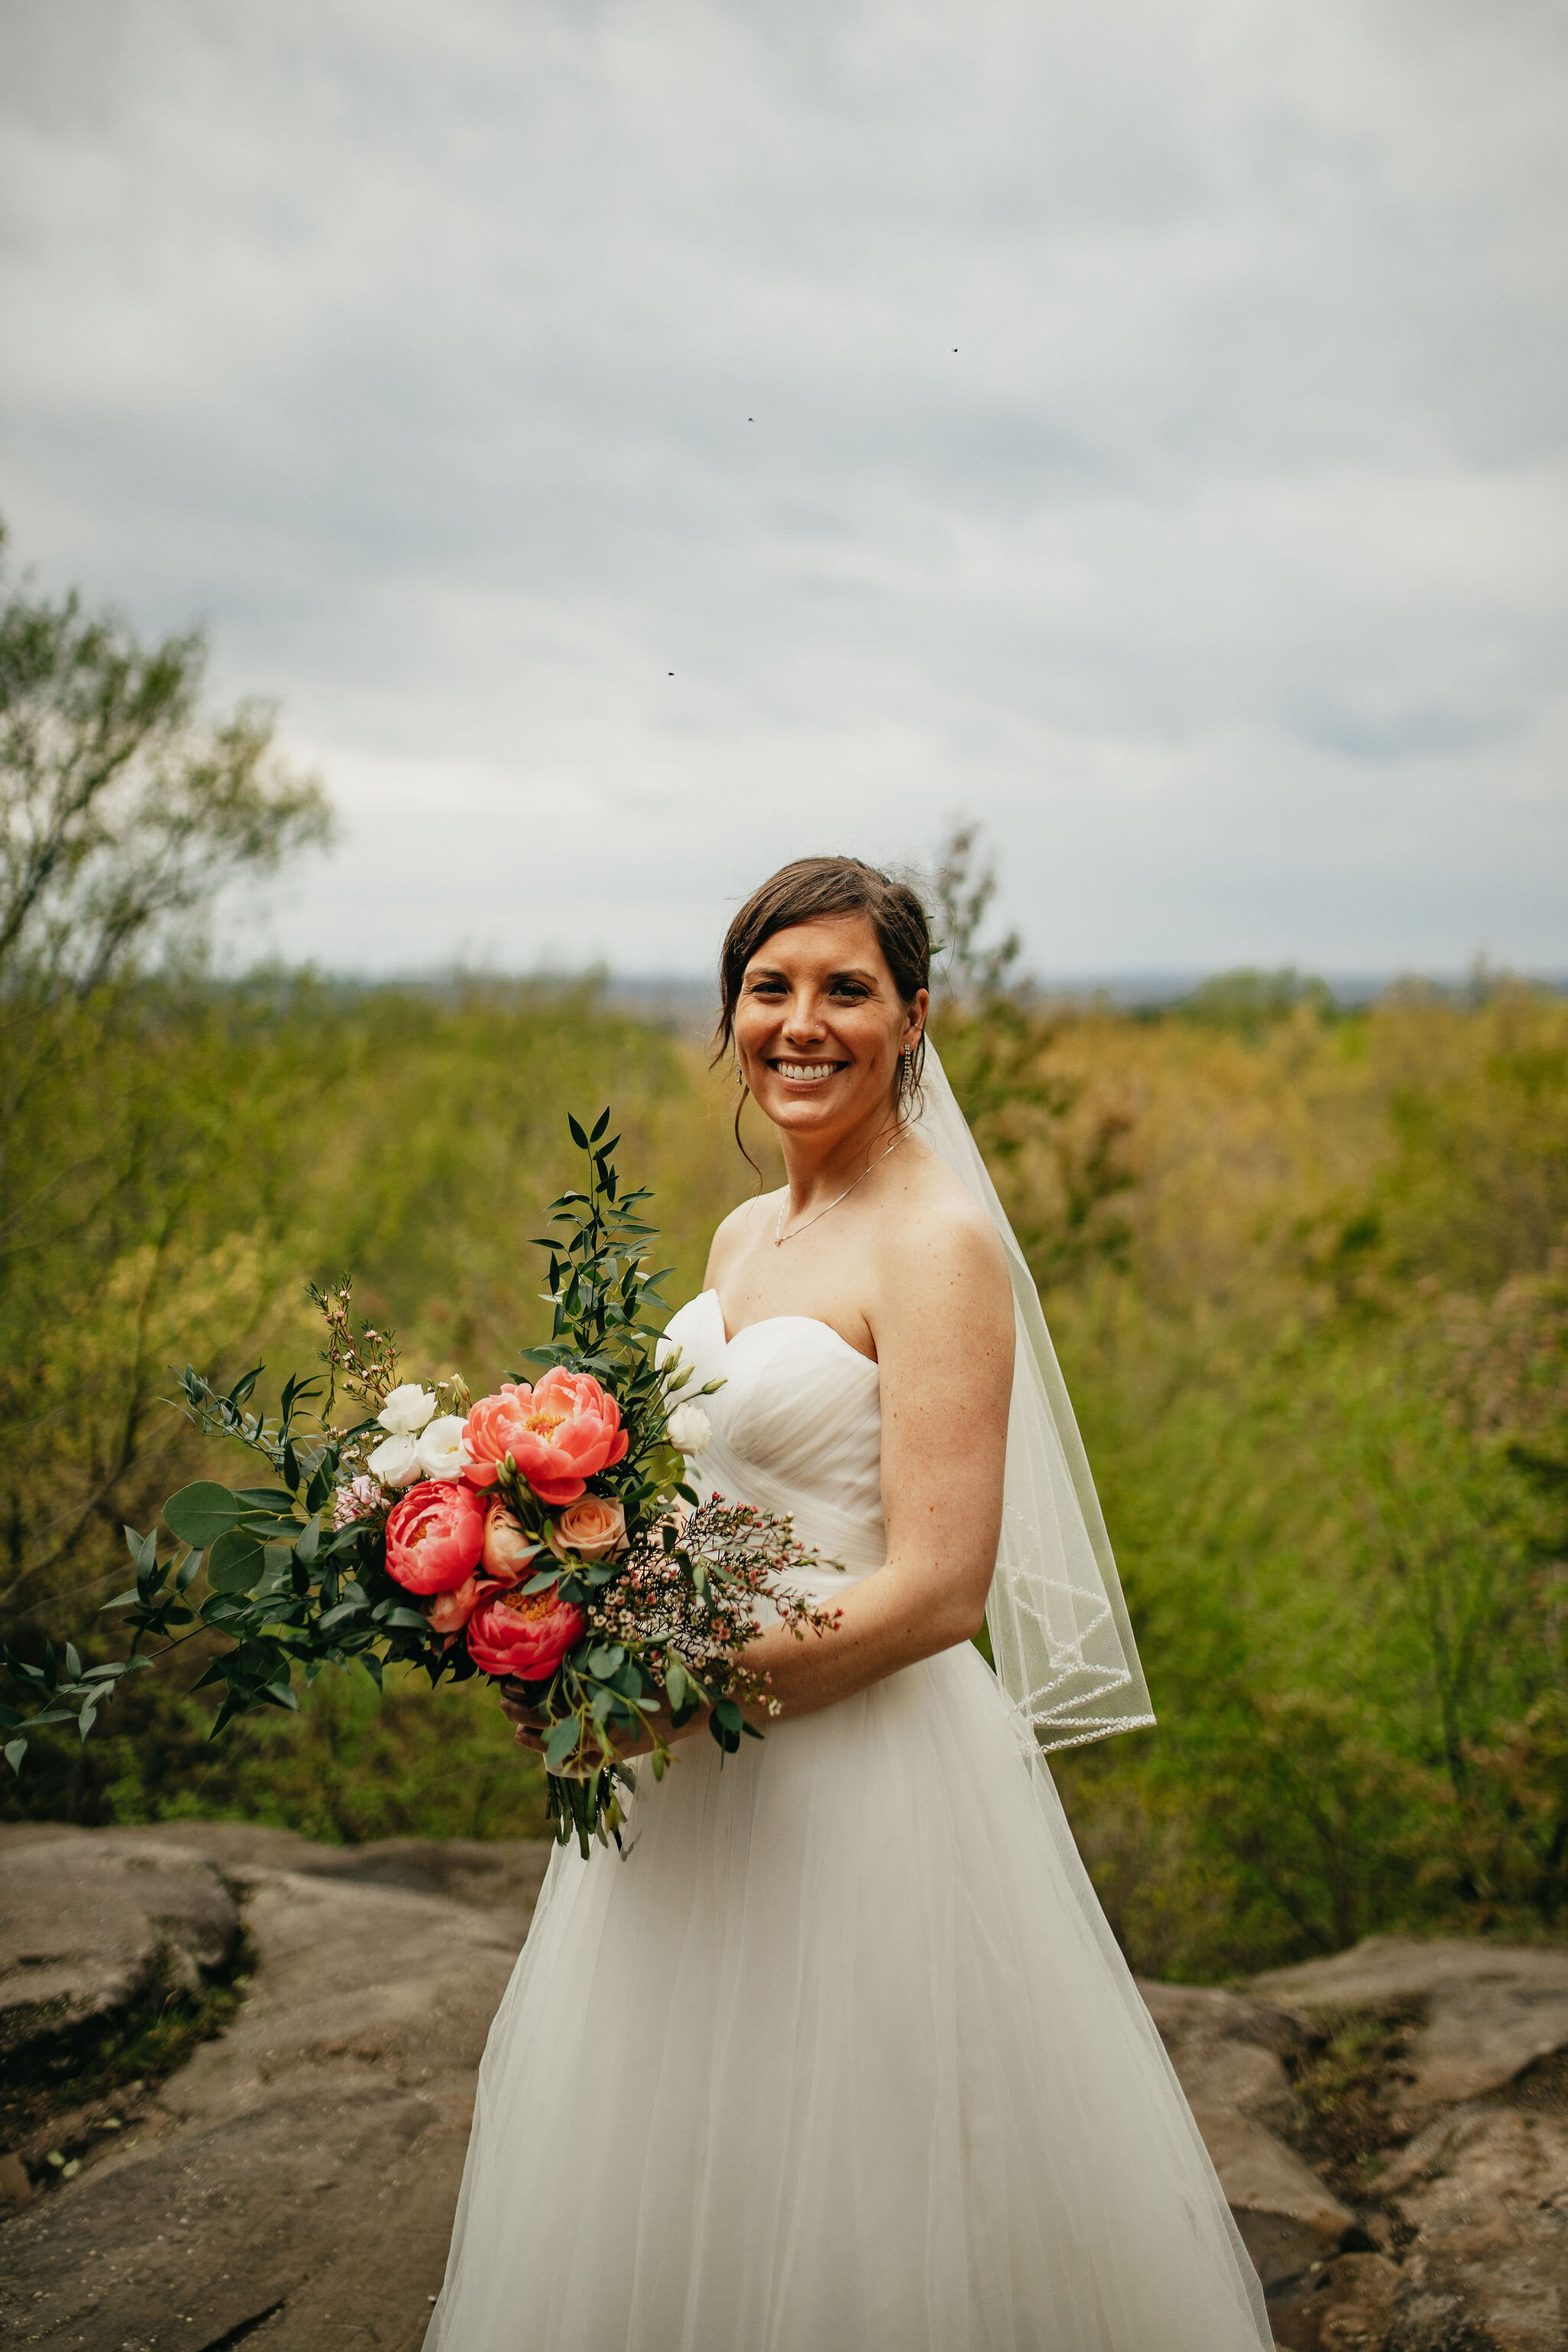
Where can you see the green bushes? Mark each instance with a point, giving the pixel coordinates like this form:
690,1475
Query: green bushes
1300,1268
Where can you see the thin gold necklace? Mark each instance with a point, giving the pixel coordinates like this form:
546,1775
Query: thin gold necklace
780,1236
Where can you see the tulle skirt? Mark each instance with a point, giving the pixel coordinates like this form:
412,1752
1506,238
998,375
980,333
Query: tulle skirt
840,2058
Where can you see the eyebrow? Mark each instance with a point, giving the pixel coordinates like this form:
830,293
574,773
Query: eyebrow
772,971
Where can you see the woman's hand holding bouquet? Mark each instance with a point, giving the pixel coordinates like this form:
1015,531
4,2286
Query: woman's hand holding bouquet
546,1536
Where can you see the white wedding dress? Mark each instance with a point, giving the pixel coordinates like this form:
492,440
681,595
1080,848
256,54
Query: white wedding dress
841,2057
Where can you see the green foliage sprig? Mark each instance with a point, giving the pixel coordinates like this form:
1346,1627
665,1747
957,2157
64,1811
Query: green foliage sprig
286,1590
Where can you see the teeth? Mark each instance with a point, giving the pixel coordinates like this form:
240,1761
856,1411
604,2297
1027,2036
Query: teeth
815,1072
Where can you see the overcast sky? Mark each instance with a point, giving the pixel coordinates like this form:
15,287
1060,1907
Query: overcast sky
637,443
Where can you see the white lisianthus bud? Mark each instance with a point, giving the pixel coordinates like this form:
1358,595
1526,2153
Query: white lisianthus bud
395,1461
440,1448
406,1409
689,1429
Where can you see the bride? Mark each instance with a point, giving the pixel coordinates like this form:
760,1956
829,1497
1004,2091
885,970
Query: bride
841,2057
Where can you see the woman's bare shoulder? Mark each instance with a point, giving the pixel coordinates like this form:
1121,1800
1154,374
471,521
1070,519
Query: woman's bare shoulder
734,1234
939,1250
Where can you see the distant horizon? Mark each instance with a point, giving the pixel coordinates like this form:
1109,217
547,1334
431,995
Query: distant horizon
1132,988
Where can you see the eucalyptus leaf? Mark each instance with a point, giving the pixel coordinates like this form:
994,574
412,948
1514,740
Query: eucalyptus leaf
561,1743
236,1562
199,1514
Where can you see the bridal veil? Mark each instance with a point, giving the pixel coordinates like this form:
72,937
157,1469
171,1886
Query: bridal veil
1060,1637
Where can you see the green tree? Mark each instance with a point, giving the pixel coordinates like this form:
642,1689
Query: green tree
123,810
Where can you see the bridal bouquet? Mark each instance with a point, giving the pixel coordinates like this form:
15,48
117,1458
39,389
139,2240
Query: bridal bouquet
546,1535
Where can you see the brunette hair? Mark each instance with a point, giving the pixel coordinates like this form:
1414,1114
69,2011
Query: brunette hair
802,892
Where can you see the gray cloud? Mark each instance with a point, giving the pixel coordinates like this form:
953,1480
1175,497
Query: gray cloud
473,369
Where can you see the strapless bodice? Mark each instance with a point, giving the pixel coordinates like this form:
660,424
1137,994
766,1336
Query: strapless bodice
798,1426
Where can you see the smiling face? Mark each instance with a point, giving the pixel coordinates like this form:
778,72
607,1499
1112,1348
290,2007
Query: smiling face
819,1026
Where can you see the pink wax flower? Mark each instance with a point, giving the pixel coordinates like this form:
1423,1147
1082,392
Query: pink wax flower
360,1499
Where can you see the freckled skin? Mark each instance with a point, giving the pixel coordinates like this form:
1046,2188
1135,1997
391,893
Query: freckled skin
906,1268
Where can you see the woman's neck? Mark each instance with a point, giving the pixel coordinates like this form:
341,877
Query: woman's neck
821,1165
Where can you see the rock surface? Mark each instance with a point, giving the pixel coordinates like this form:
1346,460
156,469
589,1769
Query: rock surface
89,1928
1230,2052
295,2181
1492,2009
292,2187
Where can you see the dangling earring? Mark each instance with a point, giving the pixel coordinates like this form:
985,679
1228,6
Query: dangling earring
909,1085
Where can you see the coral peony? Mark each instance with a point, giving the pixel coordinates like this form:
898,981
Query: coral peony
560,1434
509,1553
433,1536
593,1528
527,1638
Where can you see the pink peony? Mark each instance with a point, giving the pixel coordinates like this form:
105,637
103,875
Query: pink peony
434,1536
560,1434
526,1638
509,1553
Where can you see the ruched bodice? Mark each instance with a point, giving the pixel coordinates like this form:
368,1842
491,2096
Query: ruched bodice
798,1426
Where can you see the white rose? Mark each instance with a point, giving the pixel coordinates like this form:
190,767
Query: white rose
689,1429
406,1409
440,1448
395,1461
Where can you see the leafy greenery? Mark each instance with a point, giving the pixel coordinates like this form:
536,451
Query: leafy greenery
1316,1340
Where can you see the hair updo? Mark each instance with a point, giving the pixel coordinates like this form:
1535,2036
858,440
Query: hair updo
803,892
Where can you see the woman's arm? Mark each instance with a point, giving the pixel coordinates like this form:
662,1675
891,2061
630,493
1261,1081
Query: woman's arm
942,1317
942,1312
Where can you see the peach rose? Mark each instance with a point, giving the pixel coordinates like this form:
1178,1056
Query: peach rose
592,1529
508,1553
525,1638
450,1612
560,1434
